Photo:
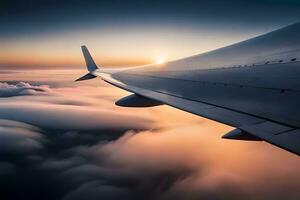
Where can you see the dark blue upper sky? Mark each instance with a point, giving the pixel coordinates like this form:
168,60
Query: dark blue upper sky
37,16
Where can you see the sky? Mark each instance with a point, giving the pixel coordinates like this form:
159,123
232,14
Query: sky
48,34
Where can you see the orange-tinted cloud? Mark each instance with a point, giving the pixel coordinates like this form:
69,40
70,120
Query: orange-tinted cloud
177,156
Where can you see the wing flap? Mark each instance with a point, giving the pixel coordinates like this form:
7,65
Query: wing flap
282,136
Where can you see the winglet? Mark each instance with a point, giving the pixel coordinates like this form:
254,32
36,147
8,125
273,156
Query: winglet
90,64
86,77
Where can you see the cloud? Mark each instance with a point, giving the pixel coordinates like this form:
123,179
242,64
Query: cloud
19,140
176,164
70,117
59,110
20,89
75,143
95,190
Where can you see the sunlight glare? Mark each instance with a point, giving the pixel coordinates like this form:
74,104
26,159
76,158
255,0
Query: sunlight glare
160,61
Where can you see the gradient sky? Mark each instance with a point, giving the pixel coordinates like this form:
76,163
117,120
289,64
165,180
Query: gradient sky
48,34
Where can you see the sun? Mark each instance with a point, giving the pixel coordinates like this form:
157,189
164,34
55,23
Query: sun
160,61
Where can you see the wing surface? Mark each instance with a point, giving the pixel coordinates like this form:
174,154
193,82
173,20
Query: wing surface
252,85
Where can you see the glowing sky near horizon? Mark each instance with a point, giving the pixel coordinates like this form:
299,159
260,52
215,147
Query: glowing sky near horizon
137,46
48,34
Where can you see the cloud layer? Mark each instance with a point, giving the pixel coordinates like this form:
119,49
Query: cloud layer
73,144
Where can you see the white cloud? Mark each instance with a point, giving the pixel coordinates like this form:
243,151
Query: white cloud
20,89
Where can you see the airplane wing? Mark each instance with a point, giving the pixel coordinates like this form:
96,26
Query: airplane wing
253,85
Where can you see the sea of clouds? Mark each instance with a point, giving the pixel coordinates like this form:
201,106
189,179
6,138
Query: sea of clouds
73,143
